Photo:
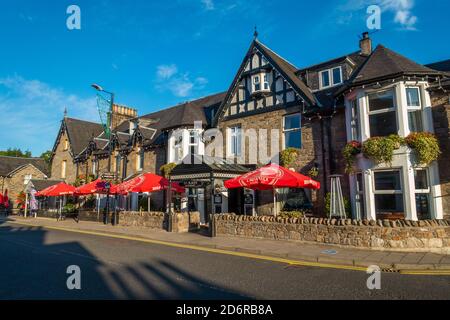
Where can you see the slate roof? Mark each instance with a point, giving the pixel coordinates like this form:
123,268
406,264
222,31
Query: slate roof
289,71
440,66
40,185
178,116
208,164
384,63
10,164
80,132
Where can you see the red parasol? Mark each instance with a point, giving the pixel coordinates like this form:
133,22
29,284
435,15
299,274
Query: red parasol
60,189
95,187
5,200
148,182
270,177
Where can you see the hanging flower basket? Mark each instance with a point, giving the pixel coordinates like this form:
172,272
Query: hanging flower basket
350,151
425,145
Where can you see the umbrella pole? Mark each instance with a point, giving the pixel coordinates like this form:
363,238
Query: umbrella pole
26,205
149,203
275,211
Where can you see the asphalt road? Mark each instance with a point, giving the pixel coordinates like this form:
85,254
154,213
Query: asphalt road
34,261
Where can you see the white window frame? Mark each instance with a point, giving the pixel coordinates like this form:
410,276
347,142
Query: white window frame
391,109
424,191
414,108
235,133
355,124
63,169
340,74
390,192
196,144
178,148
330,77
299,129
262,79
27,178
140,158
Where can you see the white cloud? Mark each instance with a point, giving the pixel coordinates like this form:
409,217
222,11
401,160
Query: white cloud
401,9
165,72
180,84
208,4
31,113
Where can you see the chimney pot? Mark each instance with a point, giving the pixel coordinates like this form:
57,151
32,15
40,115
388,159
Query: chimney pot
365,44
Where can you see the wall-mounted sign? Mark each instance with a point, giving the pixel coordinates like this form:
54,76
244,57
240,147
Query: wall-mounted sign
194,184
217,199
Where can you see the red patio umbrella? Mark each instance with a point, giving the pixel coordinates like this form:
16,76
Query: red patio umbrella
272,176
57,190
147,182
95,187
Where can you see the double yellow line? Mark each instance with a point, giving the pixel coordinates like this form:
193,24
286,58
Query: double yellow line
234,253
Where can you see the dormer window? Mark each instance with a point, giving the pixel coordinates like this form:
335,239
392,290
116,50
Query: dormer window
330,77
260,82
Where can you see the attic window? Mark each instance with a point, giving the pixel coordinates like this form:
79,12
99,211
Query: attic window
330,77
260,82
66,145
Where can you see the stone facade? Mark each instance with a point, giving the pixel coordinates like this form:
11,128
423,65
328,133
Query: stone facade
441,119
430,235
317,149
63,155
16,183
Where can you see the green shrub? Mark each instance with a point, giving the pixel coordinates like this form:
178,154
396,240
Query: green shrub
291,214
288,157
425,145
167,169
350,151
381,149
69,208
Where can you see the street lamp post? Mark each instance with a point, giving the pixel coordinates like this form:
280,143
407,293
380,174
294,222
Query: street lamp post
110,128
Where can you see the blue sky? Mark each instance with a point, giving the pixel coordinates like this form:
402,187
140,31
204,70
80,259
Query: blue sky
154,54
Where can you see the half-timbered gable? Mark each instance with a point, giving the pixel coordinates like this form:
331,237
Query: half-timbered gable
264,82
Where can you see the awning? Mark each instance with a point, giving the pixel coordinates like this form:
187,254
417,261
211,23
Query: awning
195,167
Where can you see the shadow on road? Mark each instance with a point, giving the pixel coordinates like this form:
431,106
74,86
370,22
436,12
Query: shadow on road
34,264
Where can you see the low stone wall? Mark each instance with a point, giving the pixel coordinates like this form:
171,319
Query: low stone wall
178,222
432,235
152,220
82,215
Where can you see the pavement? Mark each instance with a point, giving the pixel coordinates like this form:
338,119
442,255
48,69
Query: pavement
293,253
36,263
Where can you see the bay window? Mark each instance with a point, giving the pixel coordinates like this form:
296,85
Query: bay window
354,121
414,109
235,141
422,192
194,142
360,205
388,193
292,131
260,82
382,113
178,149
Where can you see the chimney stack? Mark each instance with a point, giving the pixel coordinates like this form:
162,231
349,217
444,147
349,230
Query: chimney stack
365,44
122,114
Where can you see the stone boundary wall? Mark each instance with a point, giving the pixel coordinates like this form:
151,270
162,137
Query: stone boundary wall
152,220
431,235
